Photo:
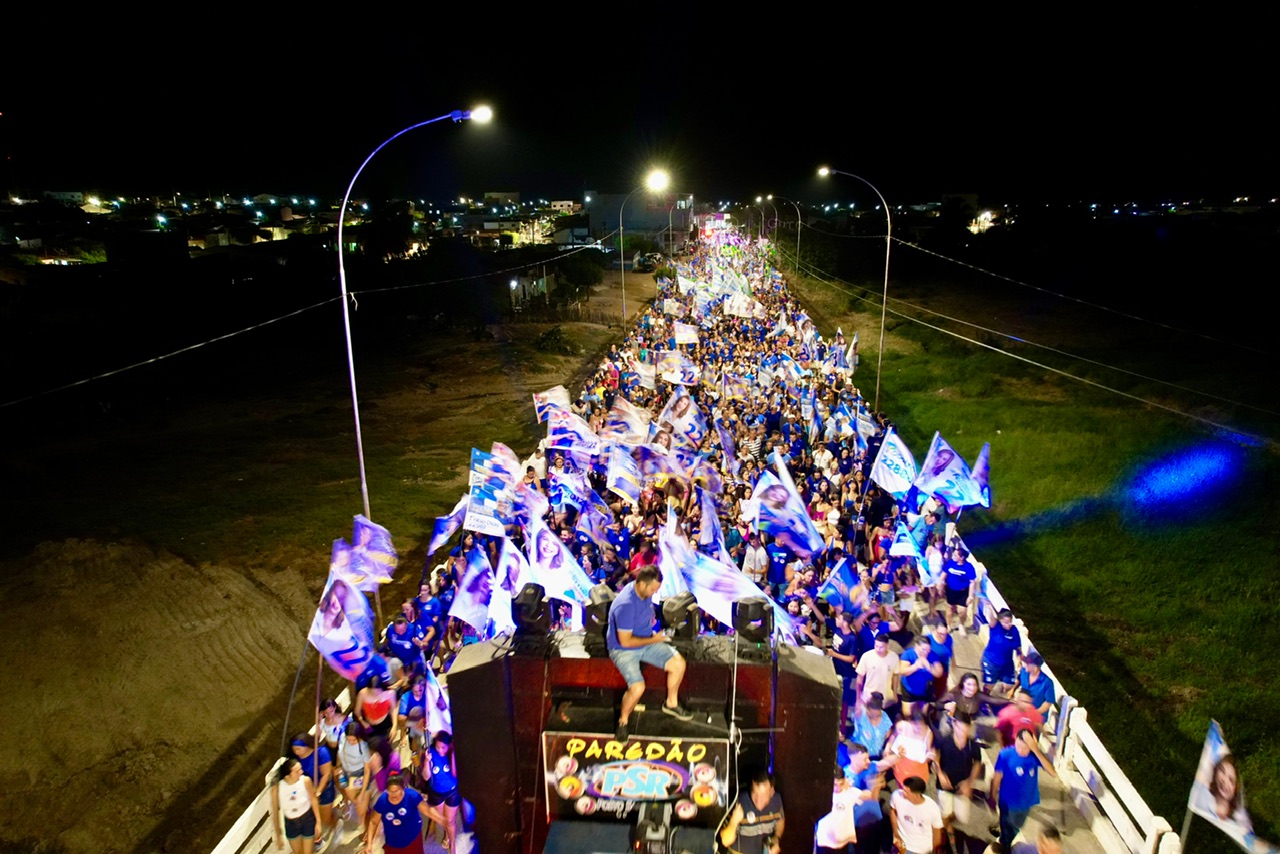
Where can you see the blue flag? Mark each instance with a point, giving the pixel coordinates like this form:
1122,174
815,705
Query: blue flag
838,585
447,525
471,600
372,553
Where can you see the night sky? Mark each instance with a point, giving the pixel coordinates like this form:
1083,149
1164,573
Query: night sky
246,113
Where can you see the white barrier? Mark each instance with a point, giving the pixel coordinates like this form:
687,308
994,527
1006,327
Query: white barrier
1116,814
251,834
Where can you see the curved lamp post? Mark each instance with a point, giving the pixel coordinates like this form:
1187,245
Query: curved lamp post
479,114
655,182
888,240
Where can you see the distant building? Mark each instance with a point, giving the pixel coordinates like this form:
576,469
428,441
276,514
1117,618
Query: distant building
69,197
564,206
645,212
571,231
501,197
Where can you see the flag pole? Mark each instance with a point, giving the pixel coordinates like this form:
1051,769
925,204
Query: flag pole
1186,829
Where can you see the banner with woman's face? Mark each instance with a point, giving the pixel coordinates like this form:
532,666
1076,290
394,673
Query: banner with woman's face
342,630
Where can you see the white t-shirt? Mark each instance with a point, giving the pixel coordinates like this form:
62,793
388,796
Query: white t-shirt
878,673
836,829
916,822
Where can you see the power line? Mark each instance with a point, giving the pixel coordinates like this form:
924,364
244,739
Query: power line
1098,306
161,358
1044,290
154,359
1086,359
1208,421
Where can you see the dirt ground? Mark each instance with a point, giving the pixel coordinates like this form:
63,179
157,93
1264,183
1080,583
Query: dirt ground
147,690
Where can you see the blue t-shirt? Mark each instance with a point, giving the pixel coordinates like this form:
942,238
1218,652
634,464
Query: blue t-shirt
959,575
867,811
917,683
310,768
402,645
845,644
630,613
1001,644
409,702
402,823
943,652
1020,785
440,770
621,542
1041,690
779,557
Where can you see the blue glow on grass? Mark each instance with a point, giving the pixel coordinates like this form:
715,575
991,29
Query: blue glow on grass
1187,475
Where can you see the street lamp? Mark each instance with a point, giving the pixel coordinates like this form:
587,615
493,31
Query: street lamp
655,182
479,114
888,240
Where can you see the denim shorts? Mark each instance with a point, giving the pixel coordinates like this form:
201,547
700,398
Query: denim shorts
628,661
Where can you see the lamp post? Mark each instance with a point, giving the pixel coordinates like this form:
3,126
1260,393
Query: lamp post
655,182
479,114
888,240
795,205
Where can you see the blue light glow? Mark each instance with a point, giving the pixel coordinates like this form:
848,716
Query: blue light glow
1190,474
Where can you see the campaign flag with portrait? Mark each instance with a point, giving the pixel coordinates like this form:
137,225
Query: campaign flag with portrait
710,533
626,424
623,476
685,417
982,475
728,447
646,374
674,556
342,629
895,467
543,401
372,554
945,475
717,585
491,507
686,333
780,512
1217,794
904,544
554,567
471,600
676,368
839,583
446,525
567,430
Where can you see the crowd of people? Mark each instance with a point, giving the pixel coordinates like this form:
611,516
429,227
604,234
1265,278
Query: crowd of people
759,399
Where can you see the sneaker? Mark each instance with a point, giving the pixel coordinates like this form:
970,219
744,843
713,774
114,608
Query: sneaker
677,711
621,733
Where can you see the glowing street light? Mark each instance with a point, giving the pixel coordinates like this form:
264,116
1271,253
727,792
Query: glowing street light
888,240
480,114
655,182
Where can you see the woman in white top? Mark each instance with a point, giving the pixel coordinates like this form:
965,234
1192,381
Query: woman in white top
354,760
333,723
294,799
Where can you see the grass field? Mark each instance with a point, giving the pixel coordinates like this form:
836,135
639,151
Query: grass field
1157,614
